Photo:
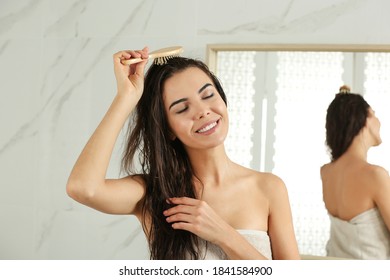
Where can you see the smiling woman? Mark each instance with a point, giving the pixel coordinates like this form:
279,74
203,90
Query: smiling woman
196,110
187,194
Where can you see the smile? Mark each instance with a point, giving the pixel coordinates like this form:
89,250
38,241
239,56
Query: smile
208,127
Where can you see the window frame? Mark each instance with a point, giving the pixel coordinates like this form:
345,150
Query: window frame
213,49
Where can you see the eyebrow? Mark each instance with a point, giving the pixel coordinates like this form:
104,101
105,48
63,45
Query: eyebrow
205,86
185,99
177,101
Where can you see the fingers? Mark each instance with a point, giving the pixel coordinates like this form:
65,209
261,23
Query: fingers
187,212
179,209
132,75
139,68
183,200
183,217
128,54
195,216
124,55
186,226
180,217
184,206
145,52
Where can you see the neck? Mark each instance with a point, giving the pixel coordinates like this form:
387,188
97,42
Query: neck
359,147
210,166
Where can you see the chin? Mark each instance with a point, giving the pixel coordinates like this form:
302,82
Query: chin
378,142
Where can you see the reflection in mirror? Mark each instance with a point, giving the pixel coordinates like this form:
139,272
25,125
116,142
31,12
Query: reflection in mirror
278,96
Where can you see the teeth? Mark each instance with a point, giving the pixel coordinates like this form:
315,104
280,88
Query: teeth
210,126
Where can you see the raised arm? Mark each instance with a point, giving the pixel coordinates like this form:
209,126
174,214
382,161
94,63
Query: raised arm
87,182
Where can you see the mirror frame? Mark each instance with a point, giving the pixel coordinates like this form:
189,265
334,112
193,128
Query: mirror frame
213,49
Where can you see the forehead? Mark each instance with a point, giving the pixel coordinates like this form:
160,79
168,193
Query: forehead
186,81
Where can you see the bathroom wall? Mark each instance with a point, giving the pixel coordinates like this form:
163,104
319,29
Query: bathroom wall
56,82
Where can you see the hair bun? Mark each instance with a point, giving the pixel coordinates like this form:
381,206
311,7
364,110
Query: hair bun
344,89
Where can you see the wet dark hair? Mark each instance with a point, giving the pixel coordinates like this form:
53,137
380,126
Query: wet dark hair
166,168
346,116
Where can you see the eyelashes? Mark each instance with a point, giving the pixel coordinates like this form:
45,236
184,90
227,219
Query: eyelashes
186,106
208,96
182,110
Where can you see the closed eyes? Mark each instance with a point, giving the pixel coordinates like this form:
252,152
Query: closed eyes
208,96
187,107
182,110
206,92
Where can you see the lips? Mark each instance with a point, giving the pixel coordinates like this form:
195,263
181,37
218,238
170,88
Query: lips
208,127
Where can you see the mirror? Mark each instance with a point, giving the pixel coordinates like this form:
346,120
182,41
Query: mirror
277,100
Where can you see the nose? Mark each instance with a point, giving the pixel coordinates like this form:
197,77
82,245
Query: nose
201,111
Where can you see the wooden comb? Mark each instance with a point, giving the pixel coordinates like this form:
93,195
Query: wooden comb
160,56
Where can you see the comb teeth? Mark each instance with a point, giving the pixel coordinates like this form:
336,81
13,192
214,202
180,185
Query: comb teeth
163,59
160,56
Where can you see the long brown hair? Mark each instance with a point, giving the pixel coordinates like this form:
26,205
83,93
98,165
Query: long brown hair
166,168
345,117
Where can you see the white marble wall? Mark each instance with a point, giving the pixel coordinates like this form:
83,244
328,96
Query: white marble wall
56,82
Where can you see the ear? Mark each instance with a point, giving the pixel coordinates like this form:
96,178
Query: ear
172,136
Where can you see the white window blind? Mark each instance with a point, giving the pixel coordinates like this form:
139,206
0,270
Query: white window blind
377,88
236,70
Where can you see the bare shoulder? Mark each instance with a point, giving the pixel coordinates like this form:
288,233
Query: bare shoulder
275,191
324,170
274,186
325,167
271,180
267,182
376,174
377,170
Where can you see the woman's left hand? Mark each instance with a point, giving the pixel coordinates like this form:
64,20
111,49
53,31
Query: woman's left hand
197,217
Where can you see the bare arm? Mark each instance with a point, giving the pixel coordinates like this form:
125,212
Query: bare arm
280,227
380,184
87,182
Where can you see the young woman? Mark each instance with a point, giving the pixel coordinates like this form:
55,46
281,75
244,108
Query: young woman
356,193
191,199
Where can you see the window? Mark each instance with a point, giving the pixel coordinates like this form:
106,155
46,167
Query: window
277,101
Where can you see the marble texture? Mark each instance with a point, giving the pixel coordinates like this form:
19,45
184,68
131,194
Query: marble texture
56,81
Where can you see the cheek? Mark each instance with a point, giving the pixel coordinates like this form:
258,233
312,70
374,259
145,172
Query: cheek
375,123
222,108
178,127
375,126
